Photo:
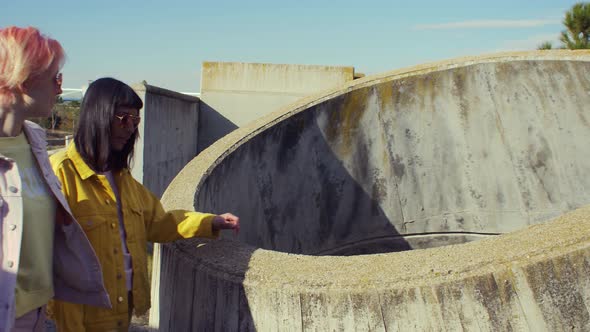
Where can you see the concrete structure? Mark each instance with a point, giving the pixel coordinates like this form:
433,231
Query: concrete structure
167,136
234,93
429,158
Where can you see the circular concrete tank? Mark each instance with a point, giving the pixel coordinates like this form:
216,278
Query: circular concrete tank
337,192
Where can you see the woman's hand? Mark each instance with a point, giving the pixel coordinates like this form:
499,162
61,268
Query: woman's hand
226,221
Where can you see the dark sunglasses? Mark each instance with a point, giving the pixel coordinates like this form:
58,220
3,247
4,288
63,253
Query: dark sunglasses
125,117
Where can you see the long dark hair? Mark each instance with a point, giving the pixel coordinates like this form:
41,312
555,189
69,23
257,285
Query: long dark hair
92,137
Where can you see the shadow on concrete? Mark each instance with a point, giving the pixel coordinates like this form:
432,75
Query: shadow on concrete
201,291
294,194
212,126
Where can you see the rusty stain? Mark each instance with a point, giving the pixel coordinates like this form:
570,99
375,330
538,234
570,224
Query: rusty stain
459,90
385,95
344,121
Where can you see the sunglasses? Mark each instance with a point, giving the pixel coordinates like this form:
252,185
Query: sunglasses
59,80
125,117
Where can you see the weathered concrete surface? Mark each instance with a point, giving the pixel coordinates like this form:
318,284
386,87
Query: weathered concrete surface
235,93
416,158
485,145
167,136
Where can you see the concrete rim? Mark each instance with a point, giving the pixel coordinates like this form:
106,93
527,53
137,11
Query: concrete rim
557,238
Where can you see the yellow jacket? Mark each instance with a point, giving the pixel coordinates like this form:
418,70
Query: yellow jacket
93,204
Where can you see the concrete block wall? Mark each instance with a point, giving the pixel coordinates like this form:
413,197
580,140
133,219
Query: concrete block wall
234,93
168,136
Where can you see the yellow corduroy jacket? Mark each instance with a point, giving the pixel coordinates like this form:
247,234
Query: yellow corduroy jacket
93,204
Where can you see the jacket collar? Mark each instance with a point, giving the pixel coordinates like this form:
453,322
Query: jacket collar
83,169
36,136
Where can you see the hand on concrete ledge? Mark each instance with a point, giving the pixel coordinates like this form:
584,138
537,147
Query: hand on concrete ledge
226,221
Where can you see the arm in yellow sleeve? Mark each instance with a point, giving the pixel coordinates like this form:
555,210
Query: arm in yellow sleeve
166,226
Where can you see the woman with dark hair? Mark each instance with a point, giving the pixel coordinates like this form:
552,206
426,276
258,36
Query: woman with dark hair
117,213
43,251
102,144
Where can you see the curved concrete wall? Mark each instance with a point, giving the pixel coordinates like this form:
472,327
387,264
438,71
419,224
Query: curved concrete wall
416,158
477,146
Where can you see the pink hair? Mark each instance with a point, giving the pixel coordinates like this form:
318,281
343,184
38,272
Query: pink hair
25,53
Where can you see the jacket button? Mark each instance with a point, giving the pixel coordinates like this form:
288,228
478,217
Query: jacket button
115,250
108,201
12,227
120,299
13,189
10,264
119,276
113,225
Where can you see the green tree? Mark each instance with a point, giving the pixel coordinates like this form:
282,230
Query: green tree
577,23
577,29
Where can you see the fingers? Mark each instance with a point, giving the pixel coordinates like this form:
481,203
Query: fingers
230,217
227,221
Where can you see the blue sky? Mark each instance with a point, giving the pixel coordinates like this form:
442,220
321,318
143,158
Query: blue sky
165,42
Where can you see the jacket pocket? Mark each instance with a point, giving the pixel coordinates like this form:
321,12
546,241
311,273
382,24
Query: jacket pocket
95,228
91,223
134,221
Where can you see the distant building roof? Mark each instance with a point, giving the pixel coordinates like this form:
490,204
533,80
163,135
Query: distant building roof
72,94
77,94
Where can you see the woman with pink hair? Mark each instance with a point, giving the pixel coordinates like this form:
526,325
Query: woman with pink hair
44,252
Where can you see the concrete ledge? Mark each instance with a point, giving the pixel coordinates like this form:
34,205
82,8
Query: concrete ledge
535,279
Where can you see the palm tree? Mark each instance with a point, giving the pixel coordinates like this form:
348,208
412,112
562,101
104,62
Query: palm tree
577,23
